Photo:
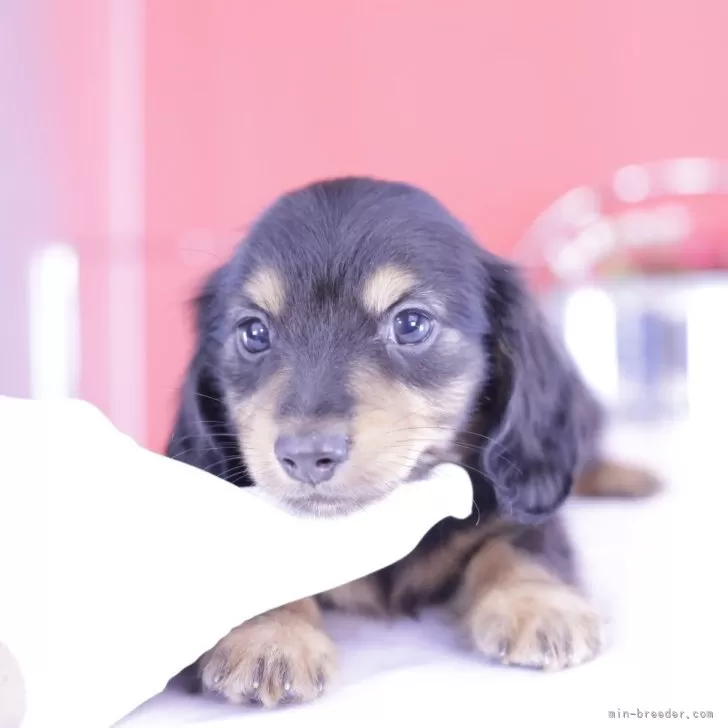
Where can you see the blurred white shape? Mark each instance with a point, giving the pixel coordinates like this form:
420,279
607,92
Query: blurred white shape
568,262
707,353
598,239
54,322
590,335
663,225
552,246
579,206
691,176
639,227
590,246
674,223
632,183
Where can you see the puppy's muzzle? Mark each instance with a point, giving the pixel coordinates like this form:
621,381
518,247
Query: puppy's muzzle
311,458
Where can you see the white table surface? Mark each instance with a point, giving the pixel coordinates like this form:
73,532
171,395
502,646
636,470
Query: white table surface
658,569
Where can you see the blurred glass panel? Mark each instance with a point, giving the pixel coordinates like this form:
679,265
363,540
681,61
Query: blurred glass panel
54,322
590,334
707,350
633,273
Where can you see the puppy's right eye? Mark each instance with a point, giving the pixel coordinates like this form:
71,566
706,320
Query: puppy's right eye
254,336
411,327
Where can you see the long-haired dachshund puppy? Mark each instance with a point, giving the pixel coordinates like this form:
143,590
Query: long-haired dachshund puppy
358,337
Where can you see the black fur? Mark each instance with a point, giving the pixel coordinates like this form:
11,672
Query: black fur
537,424
546,422
203,435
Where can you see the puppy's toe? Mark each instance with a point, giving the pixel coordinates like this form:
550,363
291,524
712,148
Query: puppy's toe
270,661
547,626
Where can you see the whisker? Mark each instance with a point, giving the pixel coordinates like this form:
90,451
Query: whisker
222,449
477,510
236,472
222,423
464,445
224,474
205,435
178,390
210,253
210,397
414,462
486,438
444,427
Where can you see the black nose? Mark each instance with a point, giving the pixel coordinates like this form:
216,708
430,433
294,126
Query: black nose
311,459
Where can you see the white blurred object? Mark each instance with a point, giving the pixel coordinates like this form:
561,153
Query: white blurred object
649,347
54,322
590,334
604,260
707,351
119,567
632,183
661,592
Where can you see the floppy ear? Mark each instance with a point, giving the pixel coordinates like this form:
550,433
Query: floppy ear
202,434
545,422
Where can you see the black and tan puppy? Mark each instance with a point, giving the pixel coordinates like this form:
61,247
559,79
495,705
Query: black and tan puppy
358,337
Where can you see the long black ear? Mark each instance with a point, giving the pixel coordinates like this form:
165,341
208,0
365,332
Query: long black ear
203,435
545,421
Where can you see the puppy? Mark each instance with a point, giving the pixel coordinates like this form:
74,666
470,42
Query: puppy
358,337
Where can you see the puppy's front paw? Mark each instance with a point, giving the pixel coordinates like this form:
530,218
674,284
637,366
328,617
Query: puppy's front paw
272,659
542,625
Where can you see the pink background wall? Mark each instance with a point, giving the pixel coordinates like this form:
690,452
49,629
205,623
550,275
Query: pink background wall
53,174
497,107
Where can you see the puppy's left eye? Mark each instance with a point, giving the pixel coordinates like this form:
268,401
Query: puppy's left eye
411,327
254,336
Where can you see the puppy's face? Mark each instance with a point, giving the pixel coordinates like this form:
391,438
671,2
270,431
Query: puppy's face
351,343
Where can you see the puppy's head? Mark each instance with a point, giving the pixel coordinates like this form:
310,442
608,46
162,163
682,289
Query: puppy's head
347,346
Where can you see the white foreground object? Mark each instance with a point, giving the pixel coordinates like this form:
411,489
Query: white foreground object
119,567
655,568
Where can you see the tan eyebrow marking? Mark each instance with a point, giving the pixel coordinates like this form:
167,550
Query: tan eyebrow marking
267,290
385,287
